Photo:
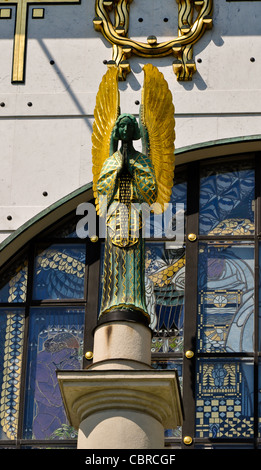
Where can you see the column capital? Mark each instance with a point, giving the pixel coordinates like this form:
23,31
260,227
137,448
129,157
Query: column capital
152,392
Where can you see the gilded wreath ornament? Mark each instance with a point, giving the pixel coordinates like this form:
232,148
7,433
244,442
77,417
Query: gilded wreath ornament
190,30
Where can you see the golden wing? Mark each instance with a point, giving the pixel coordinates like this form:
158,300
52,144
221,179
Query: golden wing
158,130
106,113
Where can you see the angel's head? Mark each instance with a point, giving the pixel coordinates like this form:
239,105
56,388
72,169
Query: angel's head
126,128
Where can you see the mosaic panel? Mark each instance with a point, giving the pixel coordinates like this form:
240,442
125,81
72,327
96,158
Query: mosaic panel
259,299
11,347
227,200
165,288
225,297
224,405
59,272
13,283
55,342
259,399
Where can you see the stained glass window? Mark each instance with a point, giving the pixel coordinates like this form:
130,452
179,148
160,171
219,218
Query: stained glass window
227,195
173,218
259,399
55,342
66,230
59,272
226,297
11,348
13,284
165,287
225,398
217,316
226,317
259,300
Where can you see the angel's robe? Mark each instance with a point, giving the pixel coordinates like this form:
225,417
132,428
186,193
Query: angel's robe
120,196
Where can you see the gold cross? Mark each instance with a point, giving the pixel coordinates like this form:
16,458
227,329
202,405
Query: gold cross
20,31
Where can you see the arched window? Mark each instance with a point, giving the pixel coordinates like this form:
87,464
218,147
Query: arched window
202,294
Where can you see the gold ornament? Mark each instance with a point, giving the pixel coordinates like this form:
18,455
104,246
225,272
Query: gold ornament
190,30
21,16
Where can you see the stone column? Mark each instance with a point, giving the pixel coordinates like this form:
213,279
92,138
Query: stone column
120,401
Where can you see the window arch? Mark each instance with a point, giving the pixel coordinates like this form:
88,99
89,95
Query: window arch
202,294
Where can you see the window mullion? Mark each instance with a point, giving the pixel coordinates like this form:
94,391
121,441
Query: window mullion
258,192
93,282
190,321
256,295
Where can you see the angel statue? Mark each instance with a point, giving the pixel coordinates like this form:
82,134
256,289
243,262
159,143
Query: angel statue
124,179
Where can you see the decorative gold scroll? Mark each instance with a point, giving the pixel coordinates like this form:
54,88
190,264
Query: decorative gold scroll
190,30
20,31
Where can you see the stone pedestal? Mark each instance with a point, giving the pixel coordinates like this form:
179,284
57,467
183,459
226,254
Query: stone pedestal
120,401
121,345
